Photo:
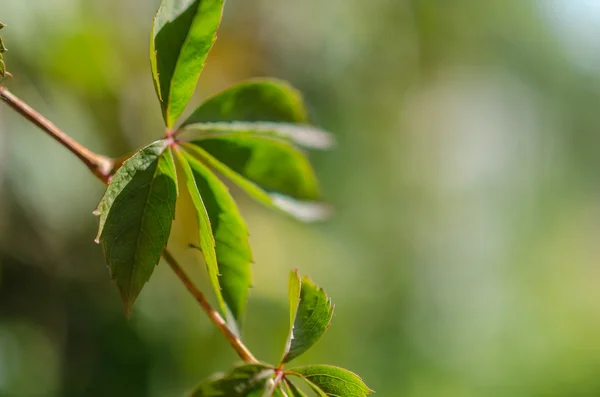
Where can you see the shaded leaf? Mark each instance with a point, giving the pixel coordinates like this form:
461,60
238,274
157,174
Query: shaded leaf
183,34
2,46
136,213
207,241
302,210
313,312
327,380
244,381
253,100
303,135
231,237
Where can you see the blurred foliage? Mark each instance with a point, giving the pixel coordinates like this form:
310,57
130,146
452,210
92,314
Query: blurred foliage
465,184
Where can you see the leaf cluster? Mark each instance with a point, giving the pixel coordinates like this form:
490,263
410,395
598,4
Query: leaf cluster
255,135
311,312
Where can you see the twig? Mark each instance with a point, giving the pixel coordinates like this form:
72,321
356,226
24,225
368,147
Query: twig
101,166
212,314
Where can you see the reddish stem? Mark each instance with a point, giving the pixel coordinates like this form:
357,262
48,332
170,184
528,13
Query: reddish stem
101,166
212,314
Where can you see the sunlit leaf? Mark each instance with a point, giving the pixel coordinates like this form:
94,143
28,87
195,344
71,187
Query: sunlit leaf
327,380
244,381
183,34
253,100
231,237
303,210
136,213
207,241
312,311
303,135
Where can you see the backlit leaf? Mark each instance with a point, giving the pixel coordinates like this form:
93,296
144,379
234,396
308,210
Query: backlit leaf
244,381
136,213
303,210
327,380
231,237
253,100
207,241
303,135
183,34
312,311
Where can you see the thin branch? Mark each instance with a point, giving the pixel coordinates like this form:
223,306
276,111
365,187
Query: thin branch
101,166
212,314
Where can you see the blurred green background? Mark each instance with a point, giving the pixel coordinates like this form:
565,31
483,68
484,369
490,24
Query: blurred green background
463,255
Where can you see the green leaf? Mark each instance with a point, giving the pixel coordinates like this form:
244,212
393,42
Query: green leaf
207,241
2,46
244,381
262,106
327,380
231,237
136,213
312,312
2,67
302,135
292,389
273,164
253,100
302,210
294,290
183,34
2,25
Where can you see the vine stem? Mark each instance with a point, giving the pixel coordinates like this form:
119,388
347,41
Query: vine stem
100,166
103,168
213,314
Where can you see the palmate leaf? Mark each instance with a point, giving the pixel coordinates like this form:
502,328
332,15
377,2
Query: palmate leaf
233,253
183,33
327,380
244,381
135,217
310,316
